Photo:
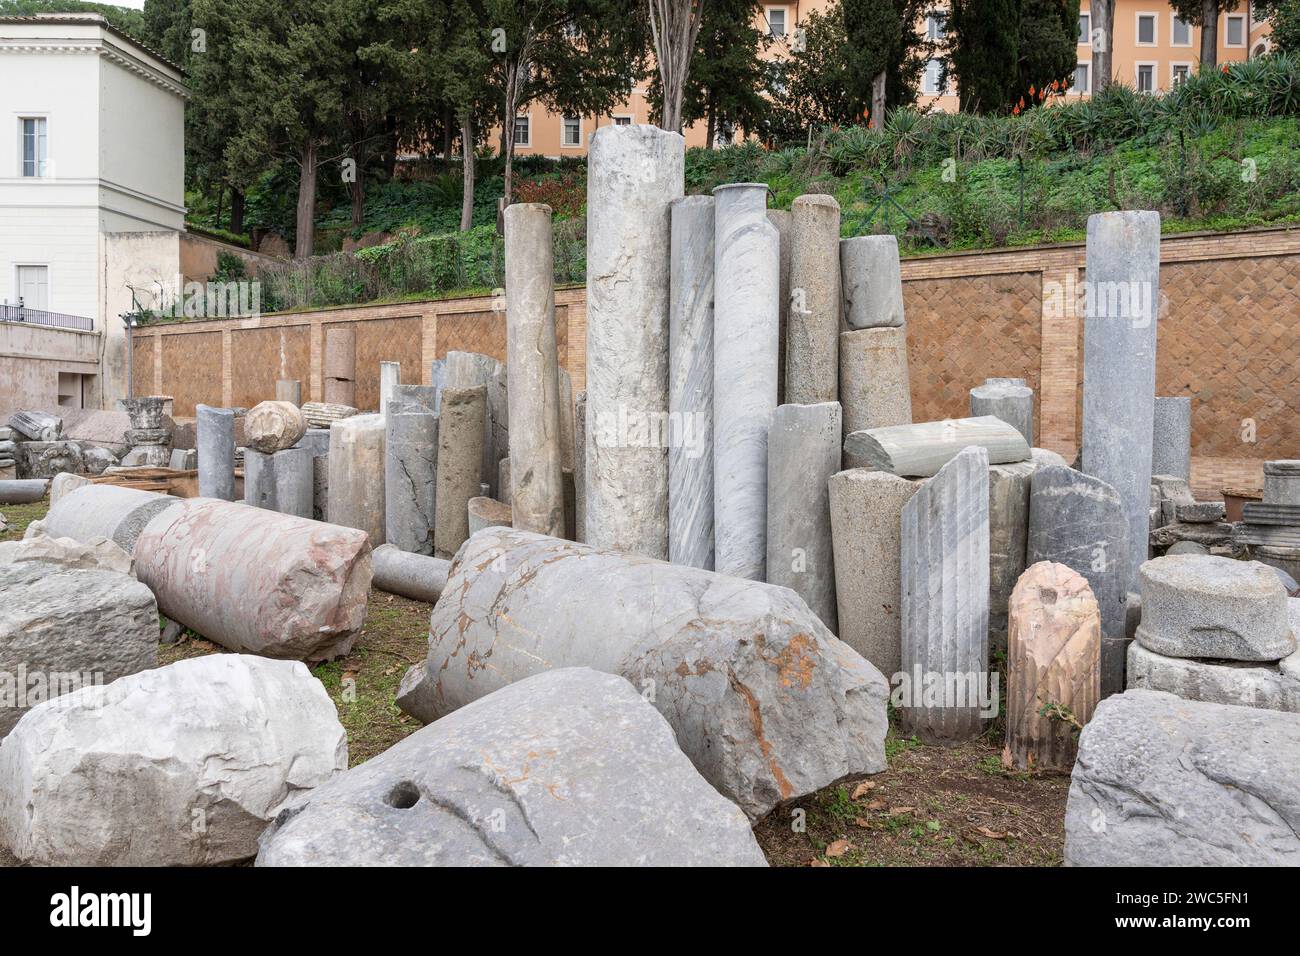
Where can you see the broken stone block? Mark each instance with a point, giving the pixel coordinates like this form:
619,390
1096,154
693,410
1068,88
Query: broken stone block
183,765
1053,666
570,767
324,414
66,628
96,554
106,511
1212,607
1272,686
256,581
1162,781
273,426
489,513
39,459
37,426
415,694
791,708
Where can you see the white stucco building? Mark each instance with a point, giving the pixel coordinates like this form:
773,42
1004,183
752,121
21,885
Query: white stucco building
92,182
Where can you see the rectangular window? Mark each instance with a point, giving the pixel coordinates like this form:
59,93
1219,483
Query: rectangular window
776,21
523,131
1146,29
572,131
1085,27
622,121
1146,74
1179,72
1234,33
1180,32
1081,78
34,145
936,26
34,287
933,75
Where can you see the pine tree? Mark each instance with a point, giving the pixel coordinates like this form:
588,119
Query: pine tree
985,39
1049,32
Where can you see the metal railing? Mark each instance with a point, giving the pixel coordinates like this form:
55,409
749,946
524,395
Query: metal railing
58,320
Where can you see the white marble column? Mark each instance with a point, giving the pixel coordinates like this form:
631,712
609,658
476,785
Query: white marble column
390,376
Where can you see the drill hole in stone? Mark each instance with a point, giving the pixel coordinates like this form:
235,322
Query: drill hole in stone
403,796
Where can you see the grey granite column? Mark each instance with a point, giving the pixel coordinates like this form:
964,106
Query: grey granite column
437,381
812,339
460,454
215,435
1171,438
390,376
803,452
873,284
1012,403
690,384
537,492
1122,298
356,467
783,222
410,474
745,359
633,175
580,465
283,481
1079,521
945,597
874,388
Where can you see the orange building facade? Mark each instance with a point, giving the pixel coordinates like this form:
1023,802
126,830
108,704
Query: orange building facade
1154,50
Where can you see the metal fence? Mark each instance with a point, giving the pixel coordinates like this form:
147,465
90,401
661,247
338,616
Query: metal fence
58,320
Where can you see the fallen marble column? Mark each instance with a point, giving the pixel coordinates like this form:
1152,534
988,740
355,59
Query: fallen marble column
23,491
106,511
537,495
1078,521
790,707
1013,404
580,466
416,576
866,528
324,414
873,284
1171,439
874,389
289,390
803,455
1169,782
812,336
215,436
183,765
284,482
273,426
410,475
1119,363
567,768
628,252
921,450
489,513
1053,666
690,384
65,628
37,426
460,455
356,469
745,361
340,366
1282,482
390,376
946,687
255,581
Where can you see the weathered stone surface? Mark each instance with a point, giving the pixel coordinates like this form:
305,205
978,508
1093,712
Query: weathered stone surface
783,222
690,384
489,513
922,449
1271,686
1079,521
1119,359
745,362
415,696
633,175
532,357
340,365
390,376
1212,607
874,389
356,467
1171,440
580,466
37,426
1013,404
256,581
66,628
813,328
273,426
570,767
803,454
1169,782
106,511
23,491
873,285
147,456
324,414
1053,661
39,459
182,765
471,369
215,437
945,602
410,475
866,529
148,412
96,461
183,459
417,576
720,653
1282,482
460,456
97,554
284,481
289,390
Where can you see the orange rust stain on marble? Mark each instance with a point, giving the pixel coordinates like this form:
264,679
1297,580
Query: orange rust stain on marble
756,724
796,662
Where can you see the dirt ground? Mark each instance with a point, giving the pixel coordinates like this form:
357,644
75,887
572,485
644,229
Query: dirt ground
932,807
